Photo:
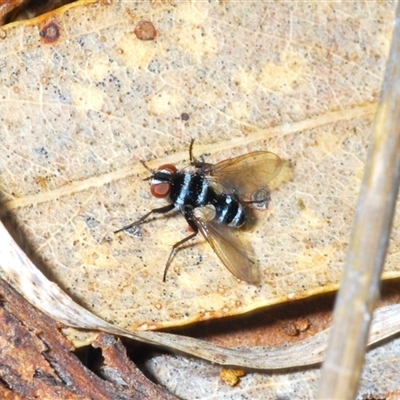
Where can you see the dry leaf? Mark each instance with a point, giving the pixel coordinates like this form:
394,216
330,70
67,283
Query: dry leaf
380,376
85,101
48,297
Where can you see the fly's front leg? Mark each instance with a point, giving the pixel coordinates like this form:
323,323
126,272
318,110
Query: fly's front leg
195,162
192,159
188,214
160,210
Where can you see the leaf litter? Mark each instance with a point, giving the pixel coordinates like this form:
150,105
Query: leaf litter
105,99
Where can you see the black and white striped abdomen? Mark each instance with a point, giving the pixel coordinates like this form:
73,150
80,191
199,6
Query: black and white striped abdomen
229,211
194,190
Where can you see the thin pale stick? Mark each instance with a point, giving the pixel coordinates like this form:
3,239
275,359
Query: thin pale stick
359,288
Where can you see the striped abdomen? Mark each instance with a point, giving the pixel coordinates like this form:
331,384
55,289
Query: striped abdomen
194,190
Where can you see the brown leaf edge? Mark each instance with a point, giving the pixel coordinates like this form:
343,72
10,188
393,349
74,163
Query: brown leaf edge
36,360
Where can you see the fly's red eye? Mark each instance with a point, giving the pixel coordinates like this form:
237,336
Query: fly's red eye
160,185
167,167
160,190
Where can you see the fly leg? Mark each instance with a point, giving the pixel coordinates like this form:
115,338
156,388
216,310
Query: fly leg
195,162
160,210
188,214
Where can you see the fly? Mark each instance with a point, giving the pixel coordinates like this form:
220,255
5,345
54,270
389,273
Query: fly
213,199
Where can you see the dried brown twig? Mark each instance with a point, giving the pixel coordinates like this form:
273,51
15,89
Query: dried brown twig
359,288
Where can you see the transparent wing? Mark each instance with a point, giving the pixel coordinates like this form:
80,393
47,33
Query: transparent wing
227,244
246,173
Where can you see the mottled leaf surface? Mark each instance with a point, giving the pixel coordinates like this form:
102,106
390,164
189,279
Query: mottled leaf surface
89,91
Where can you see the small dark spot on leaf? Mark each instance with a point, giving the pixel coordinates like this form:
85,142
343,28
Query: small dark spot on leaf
145,30
91,221
42,151
185,117
301,204
50,32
